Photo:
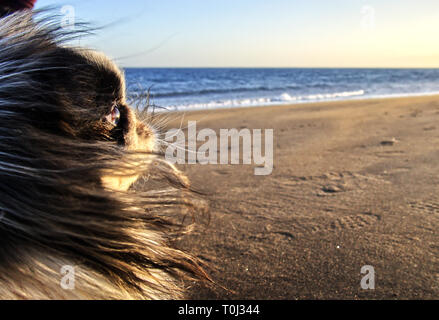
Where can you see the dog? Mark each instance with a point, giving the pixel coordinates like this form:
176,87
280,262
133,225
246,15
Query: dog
70,150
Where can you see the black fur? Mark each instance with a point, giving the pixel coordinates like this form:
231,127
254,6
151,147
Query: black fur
54,148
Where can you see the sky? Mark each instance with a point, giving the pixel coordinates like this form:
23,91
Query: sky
261,33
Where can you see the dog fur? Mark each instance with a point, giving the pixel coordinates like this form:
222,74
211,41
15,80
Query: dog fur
65,177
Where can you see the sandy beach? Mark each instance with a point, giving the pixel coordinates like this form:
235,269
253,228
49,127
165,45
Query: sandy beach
354,183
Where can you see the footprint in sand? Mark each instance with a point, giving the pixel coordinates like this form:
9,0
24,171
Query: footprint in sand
329,184
389,142
334,188
220,172
431,207
333,183
352,222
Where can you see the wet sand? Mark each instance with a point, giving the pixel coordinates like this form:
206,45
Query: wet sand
354,183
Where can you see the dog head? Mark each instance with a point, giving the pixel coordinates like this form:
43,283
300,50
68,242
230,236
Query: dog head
70,148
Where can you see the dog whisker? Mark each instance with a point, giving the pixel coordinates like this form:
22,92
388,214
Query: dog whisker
76,189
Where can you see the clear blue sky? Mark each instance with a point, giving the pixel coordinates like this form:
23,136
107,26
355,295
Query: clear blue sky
269,33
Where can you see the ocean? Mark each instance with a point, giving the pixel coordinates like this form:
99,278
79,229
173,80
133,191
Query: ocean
212,88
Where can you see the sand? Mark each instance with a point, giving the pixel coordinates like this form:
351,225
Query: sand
354,183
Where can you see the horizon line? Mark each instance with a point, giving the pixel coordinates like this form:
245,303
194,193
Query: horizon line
246,67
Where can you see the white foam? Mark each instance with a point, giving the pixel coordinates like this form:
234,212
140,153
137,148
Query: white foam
286,98
334,95
282,99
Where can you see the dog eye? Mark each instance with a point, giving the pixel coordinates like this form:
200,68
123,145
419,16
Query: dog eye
114,116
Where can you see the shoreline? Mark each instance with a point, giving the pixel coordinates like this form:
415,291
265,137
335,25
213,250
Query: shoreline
302,105
299,103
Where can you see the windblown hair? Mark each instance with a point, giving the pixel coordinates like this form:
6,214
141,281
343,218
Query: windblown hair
55,149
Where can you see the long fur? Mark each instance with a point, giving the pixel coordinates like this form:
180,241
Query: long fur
54,150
